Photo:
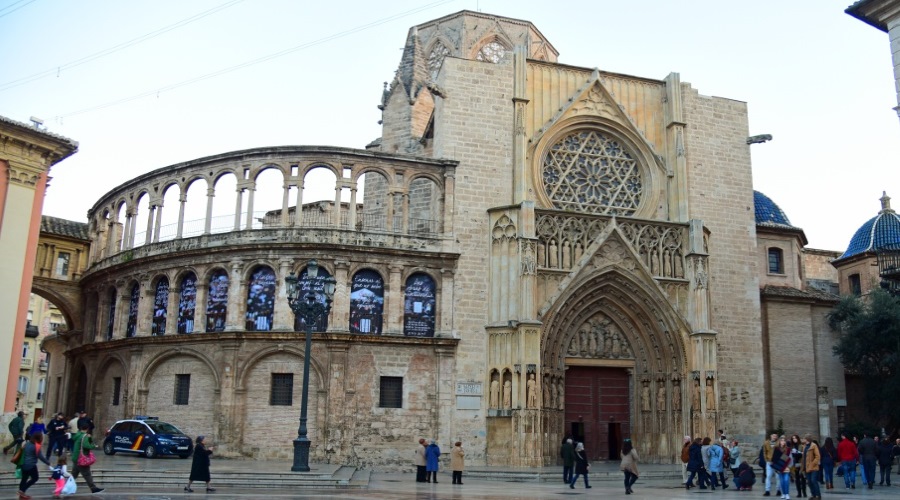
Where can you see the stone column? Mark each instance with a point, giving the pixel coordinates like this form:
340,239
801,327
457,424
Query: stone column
445,381
239,201
148,238
393,299
283,317
251,194
337,404
444,322
146,302
210,197
159,212
340,307
234,319
230,401
172,304
200,306
182,199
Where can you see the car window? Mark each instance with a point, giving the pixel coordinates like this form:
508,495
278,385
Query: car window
122,427
164,428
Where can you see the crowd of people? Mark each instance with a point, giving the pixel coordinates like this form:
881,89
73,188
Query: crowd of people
801,461
65,438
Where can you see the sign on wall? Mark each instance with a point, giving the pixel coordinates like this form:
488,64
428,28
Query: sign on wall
160,307
217,302
366,302
131,327
317,287
419,306
187,304
260,300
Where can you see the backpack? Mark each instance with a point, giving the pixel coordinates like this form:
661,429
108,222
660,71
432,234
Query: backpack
726,457
685,454
57,472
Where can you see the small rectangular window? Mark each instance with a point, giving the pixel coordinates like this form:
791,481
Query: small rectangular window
182,389
282,392
62,264
391,392
776,261
855,285
117,390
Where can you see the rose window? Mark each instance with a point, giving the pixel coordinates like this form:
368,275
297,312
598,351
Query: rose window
436,58
587,171
492,52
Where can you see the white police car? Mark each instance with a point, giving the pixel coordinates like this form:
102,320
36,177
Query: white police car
149,436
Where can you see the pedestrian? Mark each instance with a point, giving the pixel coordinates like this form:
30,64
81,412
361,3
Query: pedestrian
704,452
797,467
56,432
829,458
17,429
457,462
768,449
812,458
582,465
82,442
867,449
84,419
628,465
717,465
419,461
37,426
745,478
60,474
782,461
695,465
567,454
73,429
685,458
200,465
734,453
31,453
885,456
848,456
432,453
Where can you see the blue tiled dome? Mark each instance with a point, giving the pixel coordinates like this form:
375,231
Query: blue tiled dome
877,232
767,212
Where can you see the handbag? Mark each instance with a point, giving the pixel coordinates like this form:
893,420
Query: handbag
17,456
85,460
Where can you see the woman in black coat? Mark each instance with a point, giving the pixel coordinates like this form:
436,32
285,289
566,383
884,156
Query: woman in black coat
582,464
695,466
200,466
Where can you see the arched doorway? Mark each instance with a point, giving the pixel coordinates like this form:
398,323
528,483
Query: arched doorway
614,341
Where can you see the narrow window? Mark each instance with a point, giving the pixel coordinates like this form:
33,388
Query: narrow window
117,390
855,285
282,392
23,385
42,386
182,389
62,264
26,348
391,392
776,261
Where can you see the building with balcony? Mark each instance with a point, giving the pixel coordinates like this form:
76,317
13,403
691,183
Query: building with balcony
530,250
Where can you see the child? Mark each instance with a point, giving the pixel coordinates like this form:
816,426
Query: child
60,474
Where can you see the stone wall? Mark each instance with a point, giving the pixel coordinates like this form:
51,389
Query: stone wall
720,191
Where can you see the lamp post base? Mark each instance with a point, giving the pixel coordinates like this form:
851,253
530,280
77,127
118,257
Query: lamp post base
301,454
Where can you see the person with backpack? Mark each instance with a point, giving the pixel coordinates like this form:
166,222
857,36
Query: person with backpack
685,458
60,474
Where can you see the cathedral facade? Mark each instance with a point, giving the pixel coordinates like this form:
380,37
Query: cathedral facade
541,250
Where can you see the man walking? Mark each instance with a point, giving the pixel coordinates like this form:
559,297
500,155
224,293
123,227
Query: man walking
810,464
56,431
768,448
867,451
17,429
848,456
567,454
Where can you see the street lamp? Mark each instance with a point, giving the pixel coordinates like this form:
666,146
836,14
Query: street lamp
307,307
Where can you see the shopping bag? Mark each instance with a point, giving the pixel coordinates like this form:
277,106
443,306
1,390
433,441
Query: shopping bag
70,487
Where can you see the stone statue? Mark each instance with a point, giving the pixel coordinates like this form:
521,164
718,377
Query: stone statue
645,397
585,340
495,394
592,343
561,403
554,255
695,397
710,396
575,345
553,401
547,402
616,345
531,392
661,397
507,394
676,395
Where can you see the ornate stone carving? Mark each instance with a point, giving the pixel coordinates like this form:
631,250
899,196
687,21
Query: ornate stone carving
599,337
710,395
529,264
495,394
595,103
590,172
531,392
661,396
507,394
504,230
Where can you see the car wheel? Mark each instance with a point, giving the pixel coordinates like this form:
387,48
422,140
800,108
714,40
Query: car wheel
108,448
150,452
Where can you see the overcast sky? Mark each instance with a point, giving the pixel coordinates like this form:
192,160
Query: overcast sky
818,80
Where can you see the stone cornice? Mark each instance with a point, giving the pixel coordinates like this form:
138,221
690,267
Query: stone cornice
31,152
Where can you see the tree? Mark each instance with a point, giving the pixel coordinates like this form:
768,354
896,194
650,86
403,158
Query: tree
869,346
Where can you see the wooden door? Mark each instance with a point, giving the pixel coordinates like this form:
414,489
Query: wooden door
597,397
